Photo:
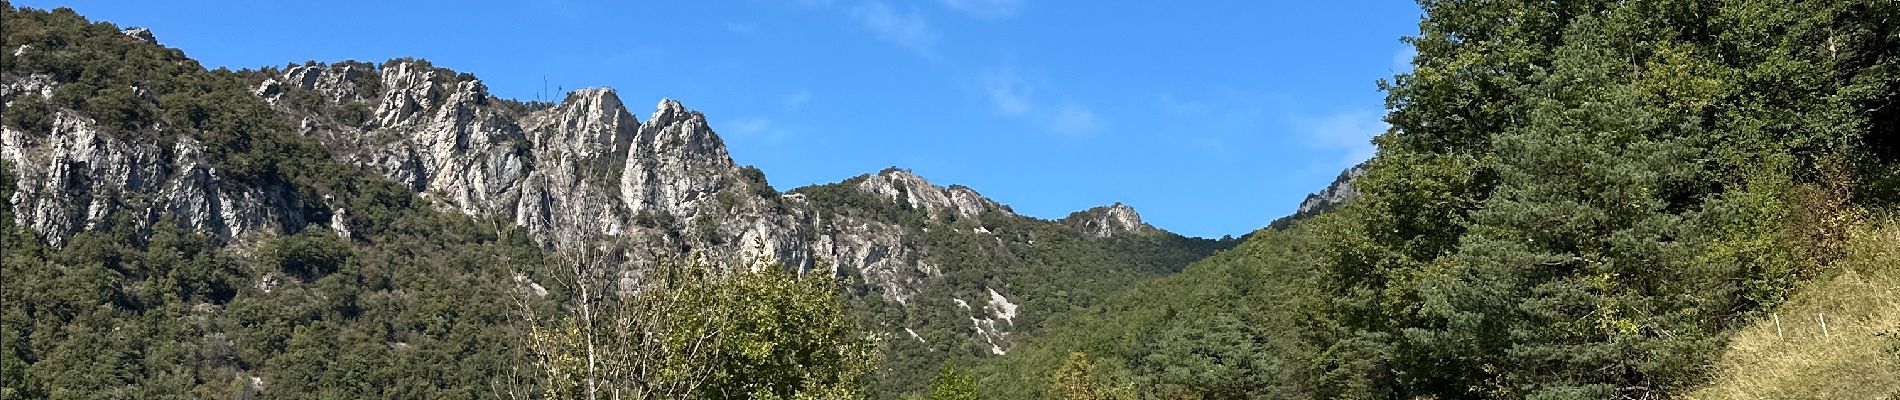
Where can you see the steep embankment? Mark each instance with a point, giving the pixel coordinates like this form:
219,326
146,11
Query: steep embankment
1837,337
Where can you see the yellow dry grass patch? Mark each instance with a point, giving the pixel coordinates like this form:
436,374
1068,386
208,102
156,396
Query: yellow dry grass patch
1856,356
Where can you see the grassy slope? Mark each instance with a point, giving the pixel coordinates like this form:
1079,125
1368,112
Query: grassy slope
1859,354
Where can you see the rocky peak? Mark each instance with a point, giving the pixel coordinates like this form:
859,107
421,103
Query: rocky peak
1340,192
901,185
595,107
409,88
1107,221
682,131
676,160
1335,194
590,128
337,82
140,34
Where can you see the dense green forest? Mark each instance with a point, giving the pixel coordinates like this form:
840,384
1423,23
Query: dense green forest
1580,199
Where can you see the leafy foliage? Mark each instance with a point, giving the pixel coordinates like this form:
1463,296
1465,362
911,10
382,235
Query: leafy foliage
1579,199
691,331
1076,379
953,383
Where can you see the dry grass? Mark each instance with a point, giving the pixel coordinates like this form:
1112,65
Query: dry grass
1858,354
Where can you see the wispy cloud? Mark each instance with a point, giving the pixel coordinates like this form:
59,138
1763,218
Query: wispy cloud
905,29
986,9
1006,91
759,129
1073,120
797,99
1350,131
1402,59
739,28
1224,116
1010,95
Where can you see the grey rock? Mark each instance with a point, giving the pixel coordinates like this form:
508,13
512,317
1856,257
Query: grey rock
337,82
73,178
569,174
901,185
1335,194
140,34
35,84
1108,221
1340,192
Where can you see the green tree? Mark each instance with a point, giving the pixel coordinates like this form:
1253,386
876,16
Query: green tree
1076,379
953,383
699,331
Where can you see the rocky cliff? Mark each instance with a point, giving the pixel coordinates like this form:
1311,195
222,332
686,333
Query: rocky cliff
1108,221
580,170
1336,194
247,157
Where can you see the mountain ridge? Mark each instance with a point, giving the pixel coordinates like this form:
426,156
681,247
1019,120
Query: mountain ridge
943,263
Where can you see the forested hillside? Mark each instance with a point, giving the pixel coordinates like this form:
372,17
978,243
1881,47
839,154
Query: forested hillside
392,231
1048,268
1578,199
401,301
1574,200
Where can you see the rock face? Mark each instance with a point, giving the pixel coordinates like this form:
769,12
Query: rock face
73,179
583,170
958,202
1340,192
568,173
587,168
1108,221
140,34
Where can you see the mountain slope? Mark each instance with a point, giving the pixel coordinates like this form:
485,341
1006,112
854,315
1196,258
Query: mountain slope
109,133
1789,353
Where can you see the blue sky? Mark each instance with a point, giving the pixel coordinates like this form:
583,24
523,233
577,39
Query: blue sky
1209,117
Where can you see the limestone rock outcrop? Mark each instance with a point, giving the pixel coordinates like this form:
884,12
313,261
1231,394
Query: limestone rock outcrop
74,178
1108,221
1335,194
938,202
571,173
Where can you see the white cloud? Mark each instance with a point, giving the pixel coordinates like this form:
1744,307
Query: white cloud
1350,131
1177,106
1402,60
796,99
1012,96
1073,120
905,29
755,128
1006,92
987,9
743,29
